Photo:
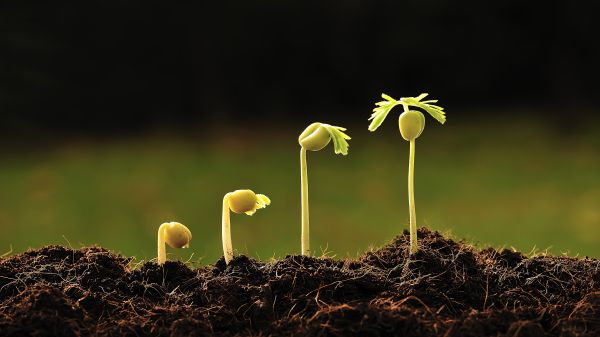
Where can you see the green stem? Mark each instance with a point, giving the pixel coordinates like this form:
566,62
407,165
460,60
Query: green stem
404,106
411,198
305,239
226,231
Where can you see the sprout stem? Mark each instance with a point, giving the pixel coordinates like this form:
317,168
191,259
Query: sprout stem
411,198
305,240
162,251
226,231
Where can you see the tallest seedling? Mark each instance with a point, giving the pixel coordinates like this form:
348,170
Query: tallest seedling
411,123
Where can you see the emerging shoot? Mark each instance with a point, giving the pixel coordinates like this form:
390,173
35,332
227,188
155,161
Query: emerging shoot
315,137
239,201
175,235
411,124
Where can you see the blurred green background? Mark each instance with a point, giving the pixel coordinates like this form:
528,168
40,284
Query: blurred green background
493,181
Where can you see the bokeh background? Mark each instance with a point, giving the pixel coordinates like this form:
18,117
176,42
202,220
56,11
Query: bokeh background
119,115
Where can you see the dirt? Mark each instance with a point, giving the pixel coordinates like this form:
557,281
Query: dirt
447,289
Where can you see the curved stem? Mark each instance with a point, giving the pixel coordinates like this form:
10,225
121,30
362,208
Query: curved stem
305,239
411,198
226,231
162,253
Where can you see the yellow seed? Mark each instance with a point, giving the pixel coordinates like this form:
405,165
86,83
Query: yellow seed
411,124
177,235
314,137
241,201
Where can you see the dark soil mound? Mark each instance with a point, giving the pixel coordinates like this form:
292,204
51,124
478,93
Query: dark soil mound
446,289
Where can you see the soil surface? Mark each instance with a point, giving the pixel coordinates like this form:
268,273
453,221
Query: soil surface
446,289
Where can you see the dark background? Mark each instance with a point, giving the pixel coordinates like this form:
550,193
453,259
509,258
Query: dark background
116,116
104,67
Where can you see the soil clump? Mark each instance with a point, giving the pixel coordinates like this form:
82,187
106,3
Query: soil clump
448,289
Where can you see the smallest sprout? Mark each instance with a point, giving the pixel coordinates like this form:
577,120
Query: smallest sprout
239,201
175,235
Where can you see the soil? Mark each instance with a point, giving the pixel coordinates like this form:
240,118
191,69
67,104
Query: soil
447,289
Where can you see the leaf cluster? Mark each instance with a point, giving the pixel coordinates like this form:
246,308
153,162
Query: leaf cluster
383,108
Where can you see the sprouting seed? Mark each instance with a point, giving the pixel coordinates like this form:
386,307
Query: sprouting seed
239,201
175,235
315,137
411,124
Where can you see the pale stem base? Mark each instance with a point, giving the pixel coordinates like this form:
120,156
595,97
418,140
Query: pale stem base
162,253
305,239
226,231
411,198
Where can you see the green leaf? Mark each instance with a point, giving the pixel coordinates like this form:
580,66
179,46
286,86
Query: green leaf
381,111
340,143
421,96
435,111
383,108
388,97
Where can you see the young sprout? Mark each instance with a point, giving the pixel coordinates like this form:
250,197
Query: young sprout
315,137
175,235
239,201
411,124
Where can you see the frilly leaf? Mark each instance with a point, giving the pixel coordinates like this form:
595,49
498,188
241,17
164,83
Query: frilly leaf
435,111
340,143
383,108
381,111
388,98
262,201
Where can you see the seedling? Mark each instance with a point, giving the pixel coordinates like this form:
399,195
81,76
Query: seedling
239,201
315,137
175,235
411,124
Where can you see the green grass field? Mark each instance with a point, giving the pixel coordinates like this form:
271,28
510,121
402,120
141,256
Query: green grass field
527,188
